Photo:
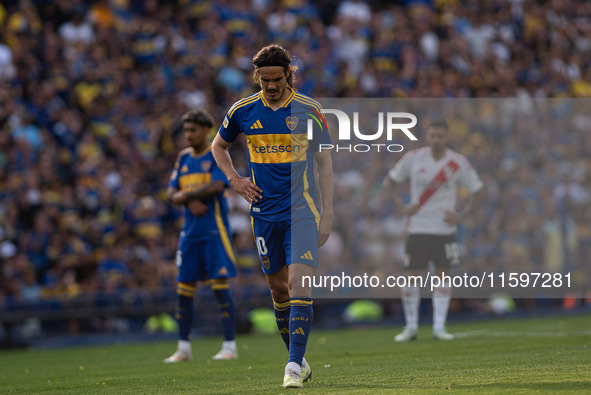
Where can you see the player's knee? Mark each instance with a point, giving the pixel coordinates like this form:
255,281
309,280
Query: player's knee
279,290
280,294
300,284
299,288
278,284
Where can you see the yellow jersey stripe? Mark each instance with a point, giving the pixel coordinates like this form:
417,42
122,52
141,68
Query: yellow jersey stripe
184,152
250,205
193,181
265,102
281,304
308,100
305,100
186,287
184,293
289,99
259,124
241,101
299,301
223,232
230,113
216,287
309,198
219,281
308,104
237,106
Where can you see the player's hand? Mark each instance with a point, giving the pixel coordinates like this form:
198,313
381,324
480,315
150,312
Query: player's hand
451,217
247,189
197,207
411,209
178,197
324,229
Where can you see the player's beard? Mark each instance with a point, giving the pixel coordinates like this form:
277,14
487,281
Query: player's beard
273,96
278,93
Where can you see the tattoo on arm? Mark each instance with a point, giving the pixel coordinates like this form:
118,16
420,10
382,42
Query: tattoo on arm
205,191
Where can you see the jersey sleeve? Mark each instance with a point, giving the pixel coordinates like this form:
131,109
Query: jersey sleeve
469,178
320,135
174,177
401,170
230,128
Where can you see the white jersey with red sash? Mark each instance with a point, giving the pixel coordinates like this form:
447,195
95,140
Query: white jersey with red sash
434,186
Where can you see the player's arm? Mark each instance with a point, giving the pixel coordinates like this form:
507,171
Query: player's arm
192,199
391,189
473,201
242,185
468,178
203,192
325,182
398,174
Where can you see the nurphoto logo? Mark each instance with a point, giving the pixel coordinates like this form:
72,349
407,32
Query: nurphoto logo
344,124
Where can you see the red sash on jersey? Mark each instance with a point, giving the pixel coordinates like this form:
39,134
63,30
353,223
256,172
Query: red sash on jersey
446,172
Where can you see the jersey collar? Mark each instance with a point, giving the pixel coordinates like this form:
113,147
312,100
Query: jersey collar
287,101
198,154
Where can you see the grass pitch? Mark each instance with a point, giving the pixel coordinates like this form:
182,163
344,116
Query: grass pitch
543,355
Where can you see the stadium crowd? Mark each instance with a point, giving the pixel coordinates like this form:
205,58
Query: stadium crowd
91,93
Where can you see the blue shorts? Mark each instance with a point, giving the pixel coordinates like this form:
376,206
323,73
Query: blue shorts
203,260
282,243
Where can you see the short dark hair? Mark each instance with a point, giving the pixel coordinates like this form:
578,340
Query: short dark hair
274,55
198,116
439,123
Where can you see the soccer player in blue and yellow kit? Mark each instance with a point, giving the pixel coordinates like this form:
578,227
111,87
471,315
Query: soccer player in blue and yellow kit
287,223
204,251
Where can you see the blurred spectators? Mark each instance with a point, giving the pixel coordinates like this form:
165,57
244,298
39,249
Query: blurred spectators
89,91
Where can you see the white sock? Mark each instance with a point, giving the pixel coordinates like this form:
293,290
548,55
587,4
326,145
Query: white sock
411,296
229,345
441,298
293,367
304,363
184,346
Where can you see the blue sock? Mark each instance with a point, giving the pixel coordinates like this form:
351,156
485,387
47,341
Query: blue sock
221,290
282,313
300,324
184,312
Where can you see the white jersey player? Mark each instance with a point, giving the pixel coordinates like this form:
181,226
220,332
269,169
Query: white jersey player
435,174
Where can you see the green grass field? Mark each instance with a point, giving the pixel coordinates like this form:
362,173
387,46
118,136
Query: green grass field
544,355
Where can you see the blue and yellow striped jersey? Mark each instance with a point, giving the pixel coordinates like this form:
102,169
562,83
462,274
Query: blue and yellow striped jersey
190,172
281,156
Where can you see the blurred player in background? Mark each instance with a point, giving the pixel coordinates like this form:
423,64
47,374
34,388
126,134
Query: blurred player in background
288,226
204,251
435,174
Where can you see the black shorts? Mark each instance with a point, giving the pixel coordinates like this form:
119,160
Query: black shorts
442,250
